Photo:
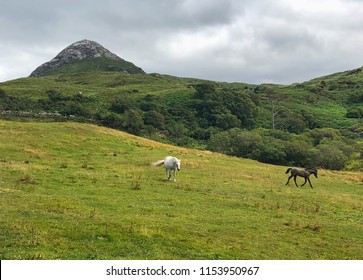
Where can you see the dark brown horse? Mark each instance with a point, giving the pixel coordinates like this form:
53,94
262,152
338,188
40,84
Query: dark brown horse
305,173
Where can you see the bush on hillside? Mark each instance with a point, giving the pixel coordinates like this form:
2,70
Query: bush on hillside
320,148
330,157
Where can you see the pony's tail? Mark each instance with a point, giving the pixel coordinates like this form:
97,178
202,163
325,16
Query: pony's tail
288,170
158,163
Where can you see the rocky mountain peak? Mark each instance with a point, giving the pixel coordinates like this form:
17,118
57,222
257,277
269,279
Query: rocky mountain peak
76,52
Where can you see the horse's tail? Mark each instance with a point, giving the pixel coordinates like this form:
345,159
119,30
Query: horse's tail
158,163
288,170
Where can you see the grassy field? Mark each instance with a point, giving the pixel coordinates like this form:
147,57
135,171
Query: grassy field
79,191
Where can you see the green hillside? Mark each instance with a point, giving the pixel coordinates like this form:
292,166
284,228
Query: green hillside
81,191
316,123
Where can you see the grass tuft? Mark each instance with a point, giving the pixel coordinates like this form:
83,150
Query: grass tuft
27,179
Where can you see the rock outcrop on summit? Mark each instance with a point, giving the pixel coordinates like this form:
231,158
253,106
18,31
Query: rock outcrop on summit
81,50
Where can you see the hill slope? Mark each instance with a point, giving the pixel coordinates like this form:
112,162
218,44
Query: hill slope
79,191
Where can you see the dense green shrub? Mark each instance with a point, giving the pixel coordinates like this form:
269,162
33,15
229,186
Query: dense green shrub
123,103
225,108
2,93
133,121
330,157
154,119
319,148
356,113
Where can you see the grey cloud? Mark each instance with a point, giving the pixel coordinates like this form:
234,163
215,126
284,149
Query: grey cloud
247,41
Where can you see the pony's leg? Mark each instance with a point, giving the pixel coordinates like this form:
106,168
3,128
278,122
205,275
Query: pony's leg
168,174
304,182
288,180
174,175
310,183
295,181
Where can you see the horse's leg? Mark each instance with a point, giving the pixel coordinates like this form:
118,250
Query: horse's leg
288,180
168,174
310,183
304,182
295,181
174,175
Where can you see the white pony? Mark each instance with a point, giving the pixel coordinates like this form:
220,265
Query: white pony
171,164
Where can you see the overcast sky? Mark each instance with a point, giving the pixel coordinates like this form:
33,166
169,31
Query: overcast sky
252,41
